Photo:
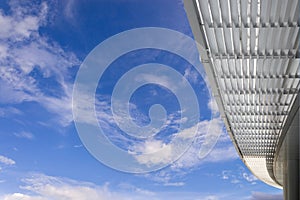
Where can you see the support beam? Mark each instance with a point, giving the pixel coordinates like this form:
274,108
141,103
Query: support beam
291,166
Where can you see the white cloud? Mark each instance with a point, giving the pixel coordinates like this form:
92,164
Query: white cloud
69,10
225,175
44,187
239,176
158,152
250,178
18,29
23,50
212,104
24,134
176,184
190,160
131,188
23,23
81,106
191,157
265,196
208,131
148,155
211,197
7,111
160,80
191,75
6,160
3,50
20,196
222,154
232,177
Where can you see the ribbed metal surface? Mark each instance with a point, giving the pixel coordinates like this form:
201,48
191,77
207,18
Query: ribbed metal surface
253,51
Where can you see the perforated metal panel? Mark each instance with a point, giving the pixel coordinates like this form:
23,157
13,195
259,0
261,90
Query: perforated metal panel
250,50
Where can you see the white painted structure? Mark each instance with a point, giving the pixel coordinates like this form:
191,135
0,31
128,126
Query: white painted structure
250,51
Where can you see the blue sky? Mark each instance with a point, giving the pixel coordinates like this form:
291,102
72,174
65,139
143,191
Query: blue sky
42,46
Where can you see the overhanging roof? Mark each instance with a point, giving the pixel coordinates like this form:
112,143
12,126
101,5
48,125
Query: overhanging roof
250,51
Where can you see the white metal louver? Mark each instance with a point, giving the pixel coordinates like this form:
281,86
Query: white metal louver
250,51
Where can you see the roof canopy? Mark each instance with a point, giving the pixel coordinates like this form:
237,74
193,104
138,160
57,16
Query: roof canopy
250,51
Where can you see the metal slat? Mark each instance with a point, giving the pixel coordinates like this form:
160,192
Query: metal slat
261,113
267,91
205,11
234,12
257,104
226,13
261,76
216,11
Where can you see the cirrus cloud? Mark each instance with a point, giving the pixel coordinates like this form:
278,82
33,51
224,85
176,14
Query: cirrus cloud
28,58
6,160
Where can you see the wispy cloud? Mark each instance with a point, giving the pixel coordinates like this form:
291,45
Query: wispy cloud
265,196
176,184
44,187
24,134
160,80
207,128
250,178
6,160
212,104
8,111
28,58
232,177
69,10
190,160
219,155
134,189
151,146
239,176
211,197
191,157
191,75
168,152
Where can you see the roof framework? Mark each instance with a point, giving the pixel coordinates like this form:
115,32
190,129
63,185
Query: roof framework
250,51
